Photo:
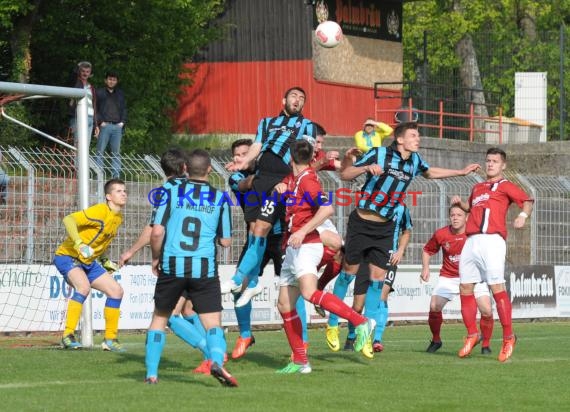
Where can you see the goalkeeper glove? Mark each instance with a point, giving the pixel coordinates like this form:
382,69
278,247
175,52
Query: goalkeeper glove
109,265
84,250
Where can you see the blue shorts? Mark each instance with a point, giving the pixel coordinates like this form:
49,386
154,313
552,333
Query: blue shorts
65,263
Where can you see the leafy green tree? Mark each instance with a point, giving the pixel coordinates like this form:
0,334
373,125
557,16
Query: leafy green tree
483,44
146,41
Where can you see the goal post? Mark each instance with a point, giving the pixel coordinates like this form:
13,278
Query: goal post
82,165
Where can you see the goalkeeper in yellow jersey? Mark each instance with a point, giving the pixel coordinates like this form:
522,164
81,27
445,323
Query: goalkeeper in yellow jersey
90,233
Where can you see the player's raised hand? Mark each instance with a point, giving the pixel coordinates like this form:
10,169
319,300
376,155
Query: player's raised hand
333,154
232,167
353,152
473,167
374,170
455,200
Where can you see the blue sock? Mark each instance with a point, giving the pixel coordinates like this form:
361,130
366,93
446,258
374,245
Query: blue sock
155,340
194,320
216,344
372,300
302,312
351,331
340,289
188,333
251,261
381,320
243,315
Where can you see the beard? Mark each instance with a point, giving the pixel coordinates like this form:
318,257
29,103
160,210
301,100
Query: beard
291,110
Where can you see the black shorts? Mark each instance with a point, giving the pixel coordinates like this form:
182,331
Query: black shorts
266,207
363,281
273,252
205,294
368,241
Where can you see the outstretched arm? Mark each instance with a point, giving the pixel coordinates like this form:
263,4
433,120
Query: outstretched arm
440,173
349,172
251,155
456,201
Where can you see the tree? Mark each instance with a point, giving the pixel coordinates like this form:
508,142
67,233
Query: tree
146,41
485,43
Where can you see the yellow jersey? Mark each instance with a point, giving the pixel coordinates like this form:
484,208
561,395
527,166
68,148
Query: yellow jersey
97,227
365,142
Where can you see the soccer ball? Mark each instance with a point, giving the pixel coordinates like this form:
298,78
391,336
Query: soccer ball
328,34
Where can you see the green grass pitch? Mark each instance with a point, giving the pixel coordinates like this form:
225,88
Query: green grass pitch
37,376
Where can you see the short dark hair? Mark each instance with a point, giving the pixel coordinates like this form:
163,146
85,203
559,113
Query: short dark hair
458,206
401,129
495,151
301,152
172,161
111,73
198,163
320,129
241,142
110,183
295,88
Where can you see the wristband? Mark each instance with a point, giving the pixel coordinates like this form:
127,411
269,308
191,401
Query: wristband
523,214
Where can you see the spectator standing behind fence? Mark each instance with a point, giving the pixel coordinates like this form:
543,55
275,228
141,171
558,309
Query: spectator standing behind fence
112,117
4,180
84,72
371,135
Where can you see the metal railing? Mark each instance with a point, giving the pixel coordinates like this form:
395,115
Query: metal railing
42,189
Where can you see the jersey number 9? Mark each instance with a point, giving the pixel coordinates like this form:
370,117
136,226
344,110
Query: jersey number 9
192,235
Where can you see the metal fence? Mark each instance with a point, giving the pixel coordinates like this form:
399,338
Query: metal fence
497,60
42,189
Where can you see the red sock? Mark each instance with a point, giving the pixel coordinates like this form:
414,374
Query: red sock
469,313
505,311
486,324
294,332
331,271
328,255
435,320
333,304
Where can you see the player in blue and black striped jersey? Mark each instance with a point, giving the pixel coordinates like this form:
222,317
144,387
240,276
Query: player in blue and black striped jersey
271,149
184,322
190,220
389,171
240,183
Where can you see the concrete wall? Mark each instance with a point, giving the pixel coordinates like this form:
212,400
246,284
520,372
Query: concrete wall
550,158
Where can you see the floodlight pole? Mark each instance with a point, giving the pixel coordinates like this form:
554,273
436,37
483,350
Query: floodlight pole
83,166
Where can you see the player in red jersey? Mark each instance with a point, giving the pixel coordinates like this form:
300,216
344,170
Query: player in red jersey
483,256
323,160
450,239
327,161
306,208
